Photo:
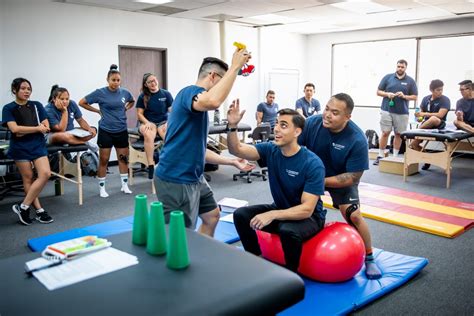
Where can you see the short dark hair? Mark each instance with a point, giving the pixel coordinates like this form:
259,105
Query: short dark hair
211,64
467,83
16,84
309,84
296,118
435,84
402,61
344,97
270,92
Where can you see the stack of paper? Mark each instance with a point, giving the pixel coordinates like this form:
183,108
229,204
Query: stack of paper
85,267
229,205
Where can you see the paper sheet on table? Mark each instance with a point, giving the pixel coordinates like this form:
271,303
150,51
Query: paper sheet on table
228,218
84,268
229,205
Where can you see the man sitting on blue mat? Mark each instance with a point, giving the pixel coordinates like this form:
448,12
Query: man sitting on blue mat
296,177
342,147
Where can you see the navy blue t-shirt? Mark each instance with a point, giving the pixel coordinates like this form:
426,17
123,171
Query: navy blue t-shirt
156,110
346,151
289,177
54,114
467,107
269,112
112,106
182,157
29,146
391,83
307,107
433,106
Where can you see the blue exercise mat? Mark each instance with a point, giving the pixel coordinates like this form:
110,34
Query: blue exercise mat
346,297
225,232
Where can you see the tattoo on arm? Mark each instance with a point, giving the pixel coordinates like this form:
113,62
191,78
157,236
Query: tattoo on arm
354,177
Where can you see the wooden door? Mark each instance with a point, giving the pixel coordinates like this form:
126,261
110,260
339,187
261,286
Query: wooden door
134,62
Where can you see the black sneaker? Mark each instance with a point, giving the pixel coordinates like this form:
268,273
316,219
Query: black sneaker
377,161
426,166
151,171
23,215
43,217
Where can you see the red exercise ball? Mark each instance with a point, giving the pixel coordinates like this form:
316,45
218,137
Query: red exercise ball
335,254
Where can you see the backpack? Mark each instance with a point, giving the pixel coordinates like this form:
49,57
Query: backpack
89,163
372,138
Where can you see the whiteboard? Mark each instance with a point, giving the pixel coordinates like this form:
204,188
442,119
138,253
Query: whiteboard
358,68
285,83
449,59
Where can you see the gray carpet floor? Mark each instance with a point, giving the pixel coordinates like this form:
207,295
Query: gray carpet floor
444,287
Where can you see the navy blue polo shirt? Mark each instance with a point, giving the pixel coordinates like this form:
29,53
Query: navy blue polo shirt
346,151
270,112
467,107
289,177
391,83
433,106
309,108
112,106
54,114
156,109
28,146
182,157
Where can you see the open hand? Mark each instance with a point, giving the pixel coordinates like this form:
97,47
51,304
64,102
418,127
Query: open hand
233,114
261,220
243,164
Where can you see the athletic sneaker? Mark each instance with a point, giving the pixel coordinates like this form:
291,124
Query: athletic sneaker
426,166
377,161
43,217
23,215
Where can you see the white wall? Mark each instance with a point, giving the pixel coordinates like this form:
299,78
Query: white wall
319,62
74,45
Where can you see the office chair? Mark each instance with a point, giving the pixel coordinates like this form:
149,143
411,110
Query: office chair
261,133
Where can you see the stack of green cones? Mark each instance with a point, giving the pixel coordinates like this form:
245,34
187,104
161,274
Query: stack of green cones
178,257
140,220
156,242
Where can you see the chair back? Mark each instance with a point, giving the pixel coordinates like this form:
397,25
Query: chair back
262,132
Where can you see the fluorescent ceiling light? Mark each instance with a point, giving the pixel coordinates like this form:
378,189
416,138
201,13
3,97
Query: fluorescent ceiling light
362,6
273,18
153,1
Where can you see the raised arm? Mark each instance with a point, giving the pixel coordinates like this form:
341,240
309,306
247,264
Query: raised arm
237,148
212,99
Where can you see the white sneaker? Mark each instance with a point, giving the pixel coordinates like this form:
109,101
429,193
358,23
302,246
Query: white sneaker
103,193
125,189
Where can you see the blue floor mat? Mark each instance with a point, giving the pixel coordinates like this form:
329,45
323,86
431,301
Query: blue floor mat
225,232
343,298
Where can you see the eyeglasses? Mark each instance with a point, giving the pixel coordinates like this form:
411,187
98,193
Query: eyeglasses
462,89
216,74
152,81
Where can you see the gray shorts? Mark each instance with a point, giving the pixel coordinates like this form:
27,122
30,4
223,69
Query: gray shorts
347,195
399,122
193,199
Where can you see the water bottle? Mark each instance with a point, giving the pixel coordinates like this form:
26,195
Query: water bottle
217,117
420,118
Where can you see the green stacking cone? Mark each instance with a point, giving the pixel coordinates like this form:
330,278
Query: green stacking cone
156,242
140,220
177,257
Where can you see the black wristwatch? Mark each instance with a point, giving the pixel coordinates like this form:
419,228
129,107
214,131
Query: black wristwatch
230,129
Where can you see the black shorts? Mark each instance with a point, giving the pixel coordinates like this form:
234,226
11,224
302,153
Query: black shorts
347,195
108,140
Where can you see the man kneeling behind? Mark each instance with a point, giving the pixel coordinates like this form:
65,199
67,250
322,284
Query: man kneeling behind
296,177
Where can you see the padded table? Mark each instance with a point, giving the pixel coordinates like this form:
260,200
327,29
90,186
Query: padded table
221,280
451,140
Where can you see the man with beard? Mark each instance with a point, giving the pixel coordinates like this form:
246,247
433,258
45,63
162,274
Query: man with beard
342,147
397,90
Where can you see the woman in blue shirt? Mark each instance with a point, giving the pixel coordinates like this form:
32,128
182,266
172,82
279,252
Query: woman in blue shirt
28,123
113,102
153,105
